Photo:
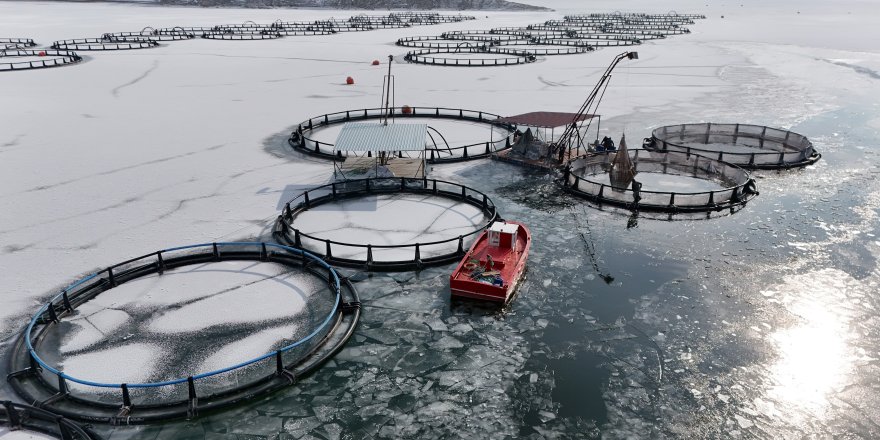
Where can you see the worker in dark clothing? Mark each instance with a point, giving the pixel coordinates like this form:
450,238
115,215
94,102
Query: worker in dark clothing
607,144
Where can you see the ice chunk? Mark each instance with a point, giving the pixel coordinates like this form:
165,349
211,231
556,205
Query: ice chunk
743,422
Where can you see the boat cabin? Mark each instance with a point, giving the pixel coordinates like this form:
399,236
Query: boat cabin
503,235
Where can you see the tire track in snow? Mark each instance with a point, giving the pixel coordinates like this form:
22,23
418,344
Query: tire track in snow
116,90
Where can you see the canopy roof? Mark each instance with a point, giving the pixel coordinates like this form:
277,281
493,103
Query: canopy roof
364,136
545,119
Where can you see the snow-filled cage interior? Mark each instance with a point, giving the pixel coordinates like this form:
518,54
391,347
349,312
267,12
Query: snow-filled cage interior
668,181
454,134
386,224
154,333
749,146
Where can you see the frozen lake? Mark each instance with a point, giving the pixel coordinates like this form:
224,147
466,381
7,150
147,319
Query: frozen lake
760,324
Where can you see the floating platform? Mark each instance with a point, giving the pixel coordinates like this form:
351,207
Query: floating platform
396,166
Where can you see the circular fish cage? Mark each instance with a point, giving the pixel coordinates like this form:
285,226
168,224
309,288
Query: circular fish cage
545,49
357,23
460,213
452,40
34,360
439,42
303,32
748,146
17,43
468,56
485,35
241,35
585,40
195,30
19,417
503,46
304,140
667,181
103,44
151,36
36,59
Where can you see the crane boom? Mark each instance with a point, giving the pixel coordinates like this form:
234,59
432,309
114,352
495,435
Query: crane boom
572,129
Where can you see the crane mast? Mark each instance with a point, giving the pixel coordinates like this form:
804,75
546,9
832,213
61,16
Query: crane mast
573,130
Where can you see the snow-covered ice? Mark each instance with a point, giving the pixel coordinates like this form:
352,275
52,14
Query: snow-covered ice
127,364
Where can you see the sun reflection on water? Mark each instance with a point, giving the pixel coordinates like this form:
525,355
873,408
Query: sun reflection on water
815,356
812,361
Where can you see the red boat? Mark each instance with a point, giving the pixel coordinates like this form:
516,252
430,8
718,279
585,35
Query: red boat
494,265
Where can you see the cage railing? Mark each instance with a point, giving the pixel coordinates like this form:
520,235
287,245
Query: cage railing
580,178
84,289
17,416
21,42
368,256
102,44
301,139
433,57
771,148
53,58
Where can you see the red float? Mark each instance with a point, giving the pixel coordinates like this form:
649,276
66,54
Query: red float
406,110
42,53
375,62
349,80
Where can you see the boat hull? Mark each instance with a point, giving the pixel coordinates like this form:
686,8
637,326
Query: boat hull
510,264
473,292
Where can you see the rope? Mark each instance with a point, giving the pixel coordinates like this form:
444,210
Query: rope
626,100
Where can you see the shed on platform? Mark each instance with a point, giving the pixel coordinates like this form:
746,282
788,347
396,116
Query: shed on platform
382,150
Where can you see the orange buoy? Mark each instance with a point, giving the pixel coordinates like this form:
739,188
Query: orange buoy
349,80
406,110
42,53
375,62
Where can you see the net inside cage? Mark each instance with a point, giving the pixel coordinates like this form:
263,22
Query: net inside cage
665,181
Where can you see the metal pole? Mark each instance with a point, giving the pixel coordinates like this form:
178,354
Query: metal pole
388,91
